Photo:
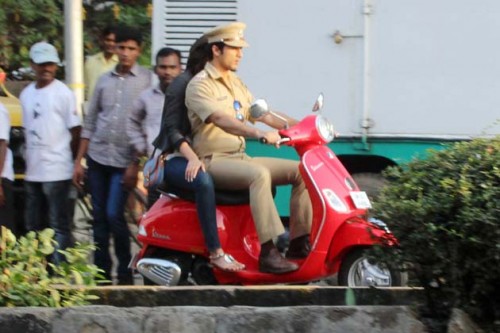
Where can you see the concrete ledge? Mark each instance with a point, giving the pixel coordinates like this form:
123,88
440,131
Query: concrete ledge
193,319
261,296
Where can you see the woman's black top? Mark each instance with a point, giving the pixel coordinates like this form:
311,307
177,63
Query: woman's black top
175,126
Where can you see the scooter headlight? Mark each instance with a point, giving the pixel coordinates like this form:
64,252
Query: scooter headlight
325,129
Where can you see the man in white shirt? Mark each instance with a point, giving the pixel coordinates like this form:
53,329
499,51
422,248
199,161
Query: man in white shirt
6,172
52,130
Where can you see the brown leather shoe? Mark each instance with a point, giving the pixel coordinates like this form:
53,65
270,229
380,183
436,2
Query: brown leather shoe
299,248
273,262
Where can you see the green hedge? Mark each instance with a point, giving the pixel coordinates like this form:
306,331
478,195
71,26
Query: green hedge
29,279
445,211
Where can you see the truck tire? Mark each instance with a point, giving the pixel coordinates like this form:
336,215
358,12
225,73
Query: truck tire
370,182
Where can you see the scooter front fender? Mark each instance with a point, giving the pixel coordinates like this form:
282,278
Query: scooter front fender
353,233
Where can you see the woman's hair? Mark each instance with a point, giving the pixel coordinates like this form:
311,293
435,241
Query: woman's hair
219,45
198,56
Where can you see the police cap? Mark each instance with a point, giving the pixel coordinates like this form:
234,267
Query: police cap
230,34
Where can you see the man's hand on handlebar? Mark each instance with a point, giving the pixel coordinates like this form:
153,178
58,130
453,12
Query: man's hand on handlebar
271,138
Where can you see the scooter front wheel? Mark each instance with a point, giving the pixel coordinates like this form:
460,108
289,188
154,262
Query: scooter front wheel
357,270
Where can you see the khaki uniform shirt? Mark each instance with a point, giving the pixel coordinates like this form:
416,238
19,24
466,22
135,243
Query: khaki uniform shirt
207,93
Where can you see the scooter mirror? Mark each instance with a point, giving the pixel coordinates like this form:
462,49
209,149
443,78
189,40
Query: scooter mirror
319,103
258,109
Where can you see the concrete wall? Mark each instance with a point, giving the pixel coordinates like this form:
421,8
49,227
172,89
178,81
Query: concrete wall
194,319
223,309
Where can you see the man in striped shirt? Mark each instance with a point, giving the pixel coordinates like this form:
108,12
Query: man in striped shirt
112,171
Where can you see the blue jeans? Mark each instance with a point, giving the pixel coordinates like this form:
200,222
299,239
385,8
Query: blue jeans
109,198
7,209
54,197
203,187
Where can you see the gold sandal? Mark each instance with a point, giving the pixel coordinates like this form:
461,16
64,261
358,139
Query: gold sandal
226,262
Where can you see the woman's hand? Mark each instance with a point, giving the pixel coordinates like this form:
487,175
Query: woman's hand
194,164
192,168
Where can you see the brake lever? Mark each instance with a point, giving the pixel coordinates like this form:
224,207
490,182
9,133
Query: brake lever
282,140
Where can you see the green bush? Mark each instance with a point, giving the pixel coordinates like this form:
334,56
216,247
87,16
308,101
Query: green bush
445,211
29,279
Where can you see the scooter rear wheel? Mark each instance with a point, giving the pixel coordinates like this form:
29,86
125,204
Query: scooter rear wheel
357,270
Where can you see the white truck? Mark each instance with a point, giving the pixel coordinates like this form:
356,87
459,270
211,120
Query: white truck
399,76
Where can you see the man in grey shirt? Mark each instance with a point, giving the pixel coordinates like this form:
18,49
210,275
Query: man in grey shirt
112,166
144,121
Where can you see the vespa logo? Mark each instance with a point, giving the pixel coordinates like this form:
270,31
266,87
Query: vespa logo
161,236
317,166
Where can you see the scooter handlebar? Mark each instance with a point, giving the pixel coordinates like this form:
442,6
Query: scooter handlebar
279,142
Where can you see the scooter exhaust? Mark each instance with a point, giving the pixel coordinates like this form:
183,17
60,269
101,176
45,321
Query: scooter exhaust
160,271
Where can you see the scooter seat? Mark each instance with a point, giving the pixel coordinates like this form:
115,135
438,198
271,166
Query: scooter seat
222,197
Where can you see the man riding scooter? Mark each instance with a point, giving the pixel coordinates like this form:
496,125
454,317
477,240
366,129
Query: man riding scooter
218,107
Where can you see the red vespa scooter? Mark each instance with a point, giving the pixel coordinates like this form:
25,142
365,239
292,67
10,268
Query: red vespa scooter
174,251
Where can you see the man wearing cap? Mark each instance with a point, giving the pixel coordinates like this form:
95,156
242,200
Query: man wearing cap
218,107
52,131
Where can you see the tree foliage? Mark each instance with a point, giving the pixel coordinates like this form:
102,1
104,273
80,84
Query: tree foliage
101,13
445,211
25,22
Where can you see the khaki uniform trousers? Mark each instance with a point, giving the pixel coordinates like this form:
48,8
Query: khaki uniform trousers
238,171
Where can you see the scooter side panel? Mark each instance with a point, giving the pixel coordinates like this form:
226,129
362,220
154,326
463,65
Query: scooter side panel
173,223
329,183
